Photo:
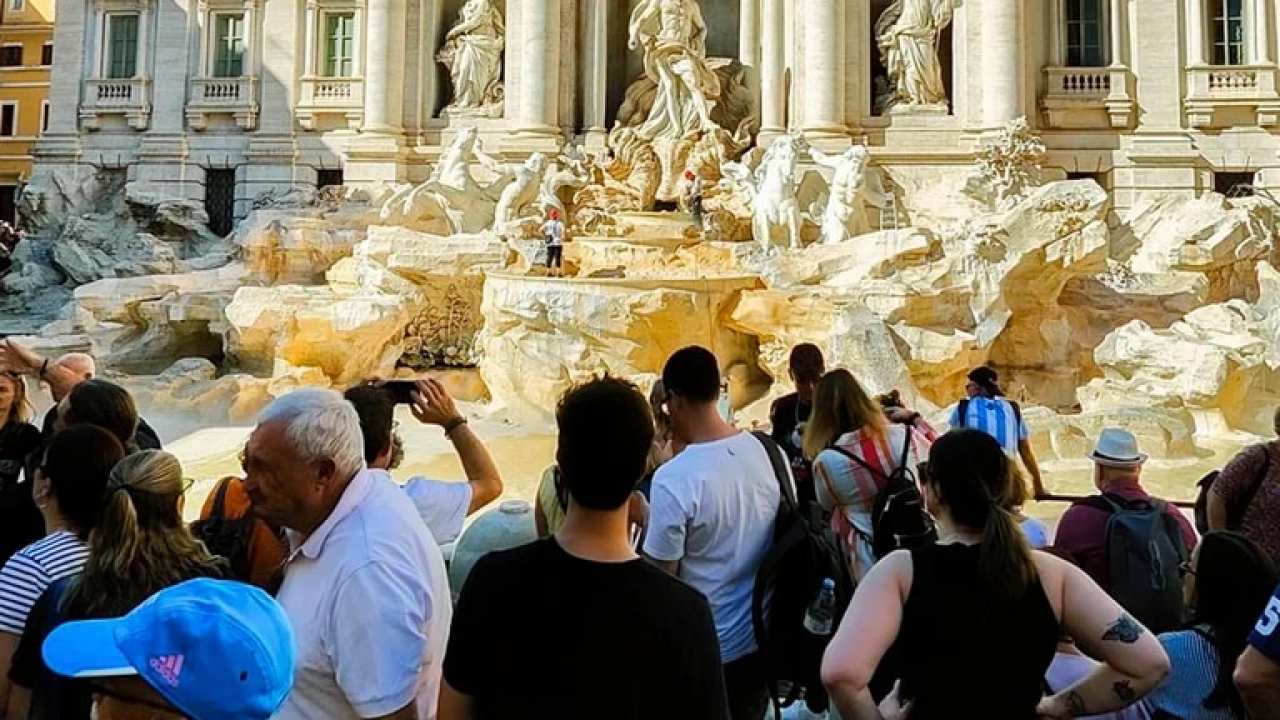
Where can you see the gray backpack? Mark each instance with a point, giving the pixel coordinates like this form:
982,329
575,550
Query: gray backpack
1145,550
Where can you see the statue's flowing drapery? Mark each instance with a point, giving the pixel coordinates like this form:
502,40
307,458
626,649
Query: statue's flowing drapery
907,33
672,35
473,54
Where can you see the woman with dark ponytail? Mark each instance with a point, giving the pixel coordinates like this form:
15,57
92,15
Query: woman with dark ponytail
975,618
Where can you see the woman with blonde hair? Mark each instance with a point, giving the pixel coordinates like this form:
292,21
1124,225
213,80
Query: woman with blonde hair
19,439
855,444
139,546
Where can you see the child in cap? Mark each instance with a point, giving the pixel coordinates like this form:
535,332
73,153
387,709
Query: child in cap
203,649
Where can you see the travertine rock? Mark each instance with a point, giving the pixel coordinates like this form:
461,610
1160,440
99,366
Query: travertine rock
1163,433
297,245
541,336
143,325
274,330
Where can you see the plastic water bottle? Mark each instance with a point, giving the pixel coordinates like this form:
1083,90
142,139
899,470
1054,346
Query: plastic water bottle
819,619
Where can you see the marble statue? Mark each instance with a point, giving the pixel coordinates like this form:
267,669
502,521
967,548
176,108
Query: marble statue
451,194
569,171
853,185
521,191
907,34
473,54
1008,166
672,35
626,180
774,190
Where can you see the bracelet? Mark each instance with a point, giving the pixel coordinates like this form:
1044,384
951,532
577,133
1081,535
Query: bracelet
44,367
454,424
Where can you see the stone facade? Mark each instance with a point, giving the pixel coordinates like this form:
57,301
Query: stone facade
225,101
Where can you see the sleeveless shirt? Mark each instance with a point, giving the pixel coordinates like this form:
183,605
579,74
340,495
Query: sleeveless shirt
966,653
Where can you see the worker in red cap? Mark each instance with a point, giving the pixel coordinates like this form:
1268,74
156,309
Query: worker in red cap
553,236
693,184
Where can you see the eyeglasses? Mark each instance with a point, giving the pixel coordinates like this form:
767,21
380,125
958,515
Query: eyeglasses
1186,569
100,689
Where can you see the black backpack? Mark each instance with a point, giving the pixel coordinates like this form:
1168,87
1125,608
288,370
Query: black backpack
1235,515
898,517
1144,552
228,537
804,553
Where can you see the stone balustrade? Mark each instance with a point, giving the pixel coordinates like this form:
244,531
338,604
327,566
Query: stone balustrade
1216,95
130,97
341,96
1089,97
234,96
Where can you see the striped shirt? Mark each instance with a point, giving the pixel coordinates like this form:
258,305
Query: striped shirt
1194,674
32,570
995,417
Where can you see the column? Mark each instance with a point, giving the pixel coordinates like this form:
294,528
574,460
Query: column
539,55
309,63
1195,32
1057,58
749,33
383,91
773,113
595,76
1117,13
1261,38
1001,62
822,54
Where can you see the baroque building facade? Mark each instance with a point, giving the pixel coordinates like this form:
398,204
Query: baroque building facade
227,100
26,56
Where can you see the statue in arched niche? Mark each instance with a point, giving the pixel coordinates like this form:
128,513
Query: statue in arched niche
473,54
907,34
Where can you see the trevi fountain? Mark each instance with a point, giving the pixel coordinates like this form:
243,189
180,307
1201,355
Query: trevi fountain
1160,316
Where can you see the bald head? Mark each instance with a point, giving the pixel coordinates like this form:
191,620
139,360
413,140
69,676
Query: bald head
81,365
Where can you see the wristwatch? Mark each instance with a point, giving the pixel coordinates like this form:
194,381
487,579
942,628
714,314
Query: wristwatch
454,424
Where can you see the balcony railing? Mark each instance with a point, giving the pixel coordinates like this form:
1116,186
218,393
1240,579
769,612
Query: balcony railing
130,97
1088,97
1213,89
342,96
235,96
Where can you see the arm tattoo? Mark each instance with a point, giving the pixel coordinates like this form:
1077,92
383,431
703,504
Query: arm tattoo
1075,704
1125,630
1124,691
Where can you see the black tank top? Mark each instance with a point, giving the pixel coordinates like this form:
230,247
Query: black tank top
965,653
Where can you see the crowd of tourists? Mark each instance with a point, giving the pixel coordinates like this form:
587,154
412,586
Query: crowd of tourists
853,562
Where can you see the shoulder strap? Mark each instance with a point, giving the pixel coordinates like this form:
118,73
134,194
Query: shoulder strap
962,412
1017,409
867,466
780,468
220,499
1105,503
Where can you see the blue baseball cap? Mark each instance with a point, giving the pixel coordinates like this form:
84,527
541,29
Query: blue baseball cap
213,649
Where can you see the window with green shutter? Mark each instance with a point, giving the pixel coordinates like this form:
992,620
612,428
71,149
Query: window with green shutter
122,46
228,48
339,42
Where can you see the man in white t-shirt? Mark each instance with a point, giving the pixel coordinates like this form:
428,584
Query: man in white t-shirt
553,235
712,516
443,506
365,585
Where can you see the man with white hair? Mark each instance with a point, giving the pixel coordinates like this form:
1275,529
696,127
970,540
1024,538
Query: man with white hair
364,584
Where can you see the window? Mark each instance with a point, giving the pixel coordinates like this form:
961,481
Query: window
228,45
328,178
46,54
339,40
44,116
16,5
1228,31
122,46
1234,184
11,56
8,119
1085,44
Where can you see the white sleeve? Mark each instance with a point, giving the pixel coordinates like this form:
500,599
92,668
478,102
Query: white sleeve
669,516
441,505
22,581
379,637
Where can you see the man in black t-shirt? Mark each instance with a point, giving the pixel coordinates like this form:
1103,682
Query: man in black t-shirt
601,632
790,413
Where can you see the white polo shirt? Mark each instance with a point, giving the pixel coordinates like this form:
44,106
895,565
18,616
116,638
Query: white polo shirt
368,597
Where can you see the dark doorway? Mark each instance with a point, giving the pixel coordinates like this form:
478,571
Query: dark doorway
220,200
8,203
328,178
1234,184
